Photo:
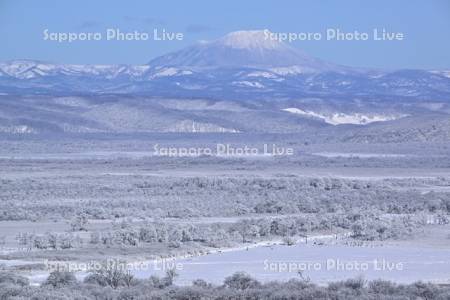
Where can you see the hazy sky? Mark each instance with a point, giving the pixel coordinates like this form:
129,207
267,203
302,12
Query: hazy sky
425,24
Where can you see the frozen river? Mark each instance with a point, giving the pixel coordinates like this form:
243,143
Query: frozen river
319,263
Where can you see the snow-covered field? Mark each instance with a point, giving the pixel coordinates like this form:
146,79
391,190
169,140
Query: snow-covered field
115,181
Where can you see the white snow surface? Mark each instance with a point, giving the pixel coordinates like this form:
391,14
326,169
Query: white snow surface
167,72
250,39
338,118
253,84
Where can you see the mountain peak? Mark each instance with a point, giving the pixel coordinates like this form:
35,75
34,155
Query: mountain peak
240,49
249,39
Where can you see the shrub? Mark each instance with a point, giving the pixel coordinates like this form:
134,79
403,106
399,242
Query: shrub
59,279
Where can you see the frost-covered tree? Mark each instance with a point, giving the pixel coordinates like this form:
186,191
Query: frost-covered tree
52,240
79,223
58,279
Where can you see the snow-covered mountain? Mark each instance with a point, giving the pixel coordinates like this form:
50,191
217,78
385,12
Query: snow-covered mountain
252,49
241,49
242,64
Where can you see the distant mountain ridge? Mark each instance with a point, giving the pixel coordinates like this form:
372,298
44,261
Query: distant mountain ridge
238,83
242,64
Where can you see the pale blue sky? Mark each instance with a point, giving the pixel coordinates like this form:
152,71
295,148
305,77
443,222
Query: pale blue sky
426,25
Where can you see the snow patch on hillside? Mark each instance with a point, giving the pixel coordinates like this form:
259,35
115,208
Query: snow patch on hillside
339,118
265,75
262,74
18,129
443,73
293,70
253,84
167,72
